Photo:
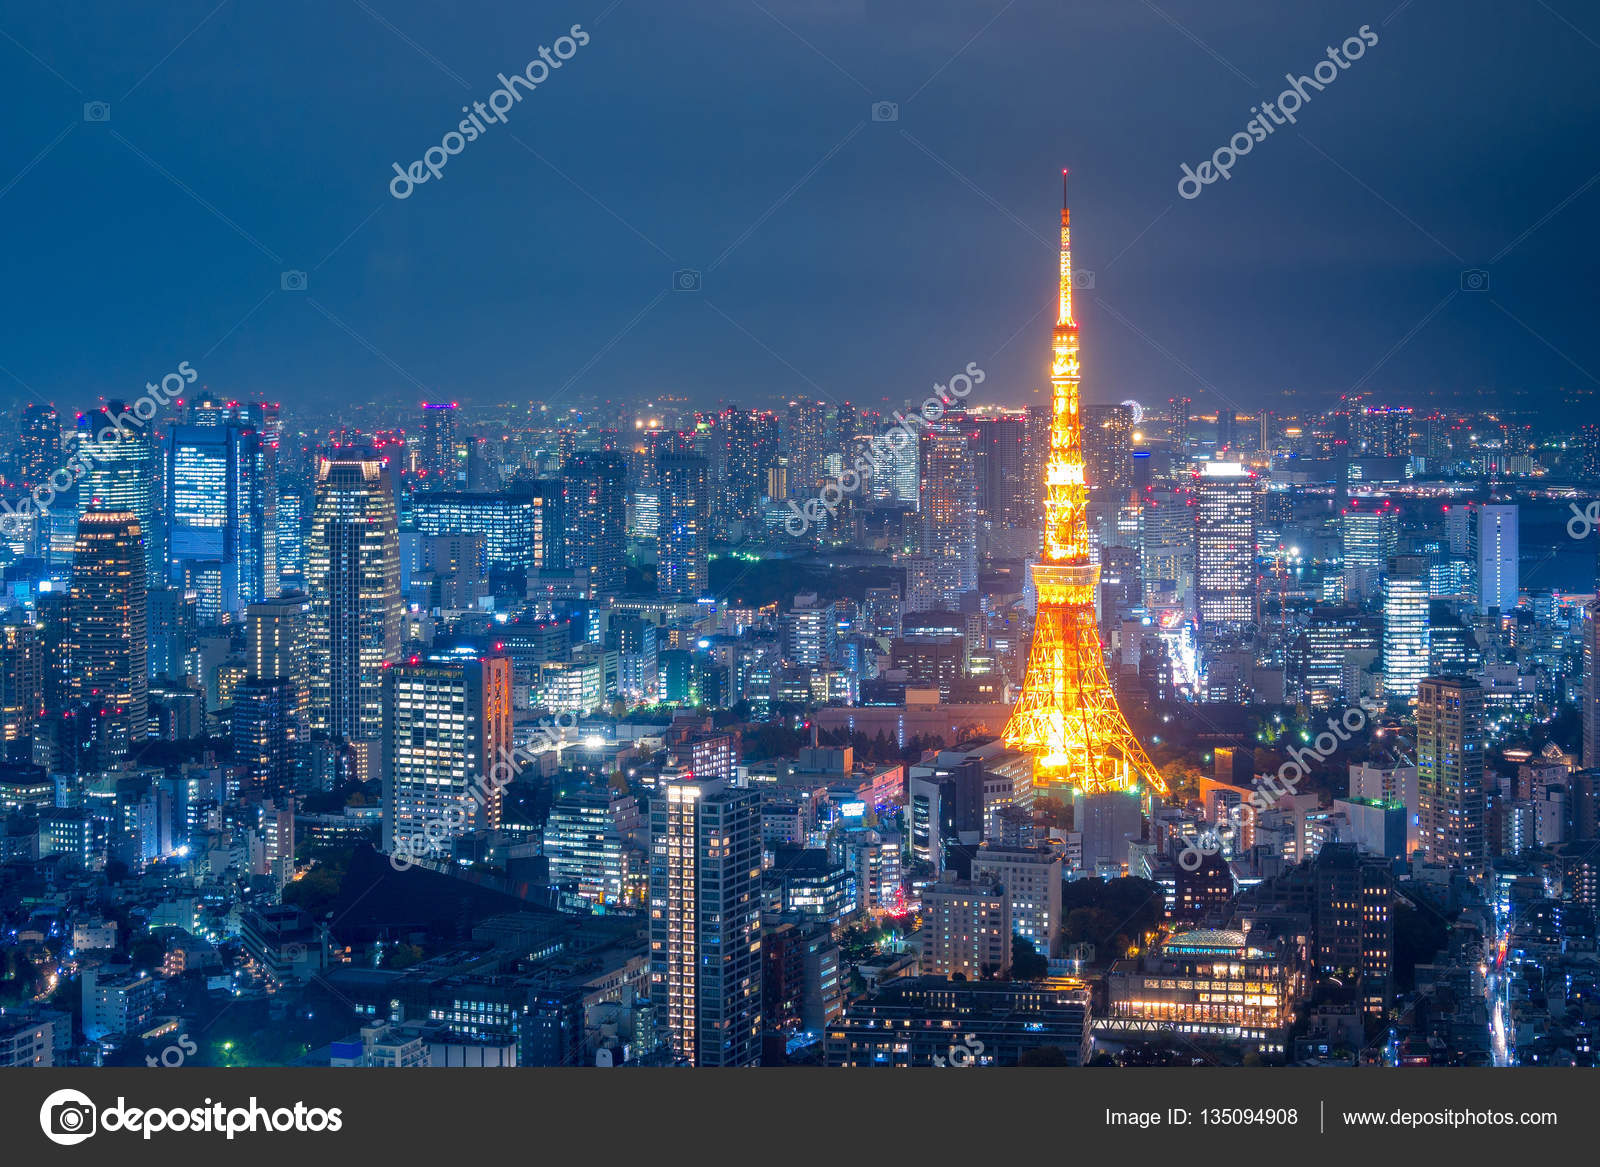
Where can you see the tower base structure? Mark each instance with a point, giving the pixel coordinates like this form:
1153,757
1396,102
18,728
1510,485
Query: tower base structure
1068,717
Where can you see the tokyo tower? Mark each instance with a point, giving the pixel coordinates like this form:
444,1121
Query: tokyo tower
1067,716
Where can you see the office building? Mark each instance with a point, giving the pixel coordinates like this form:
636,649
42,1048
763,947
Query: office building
1405,625
1589,708
216,500
924,1022
115,447
1354,923
948,502
1225,545
1495,554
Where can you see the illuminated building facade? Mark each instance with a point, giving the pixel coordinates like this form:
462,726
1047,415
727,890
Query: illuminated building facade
521,526
597,521
1067,717
1406,641
930,1021
108,637
447,755
705,920
353,580
1495,542
1225,545
683,526
436,451
216,511
1450,762
948,501
1205,985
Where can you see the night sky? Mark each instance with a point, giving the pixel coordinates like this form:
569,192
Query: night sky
840,255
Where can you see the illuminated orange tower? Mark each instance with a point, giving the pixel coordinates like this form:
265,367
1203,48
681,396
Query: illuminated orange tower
1067,716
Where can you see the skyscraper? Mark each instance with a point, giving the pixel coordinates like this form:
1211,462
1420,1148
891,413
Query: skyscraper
1589,711
353,582
108,634
1450,760
1369,532
1225,545
750,445
264,734
216,511
1001,458
683,527
436,448
949,505
38,444
277,648
705,920
447,749
115,447
597,517
21,685
1108,450
1496,557
1406,641
806,441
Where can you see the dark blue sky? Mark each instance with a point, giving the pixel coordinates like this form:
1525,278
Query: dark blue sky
862,258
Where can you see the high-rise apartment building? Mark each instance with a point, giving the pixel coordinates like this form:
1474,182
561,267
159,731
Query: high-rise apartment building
683,526
949,504
436,446
108,634
447,750
1000,452
1450,763
353,583
597,517
705,920
38,445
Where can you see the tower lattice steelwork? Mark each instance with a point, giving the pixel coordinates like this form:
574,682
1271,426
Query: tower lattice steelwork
1067,716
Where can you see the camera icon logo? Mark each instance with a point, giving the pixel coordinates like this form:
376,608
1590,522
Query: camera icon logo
885,111
1082,279
97,111
68,1117
293,281
1474,279
686,280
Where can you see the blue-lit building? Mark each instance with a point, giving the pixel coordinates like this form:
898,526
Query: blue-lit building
217,516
